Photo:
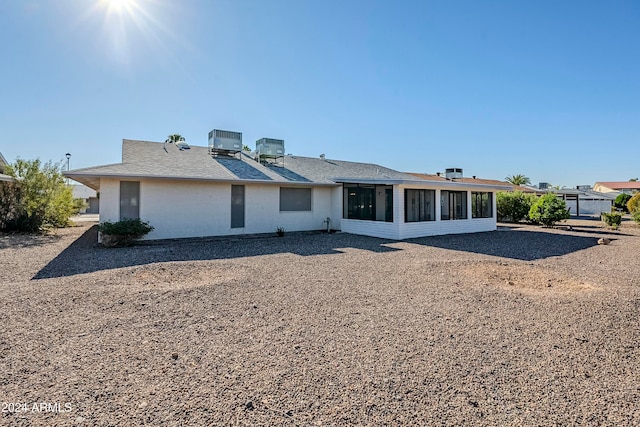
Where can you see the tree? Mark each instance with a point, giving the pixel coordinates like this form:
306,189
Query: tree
41,198
513,206
621,202
246,148
176,137
518,180
11,209
633,204
548,210
633,180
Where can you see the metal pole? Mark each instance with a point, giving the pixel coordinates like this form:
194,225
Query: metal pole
68,155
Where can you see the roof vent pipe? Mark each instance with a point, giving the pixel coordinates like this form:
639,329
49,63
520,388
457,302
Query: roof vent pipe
322,156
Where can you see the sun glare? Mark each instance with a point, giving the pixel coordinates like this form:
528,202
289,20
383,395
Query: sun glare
119,6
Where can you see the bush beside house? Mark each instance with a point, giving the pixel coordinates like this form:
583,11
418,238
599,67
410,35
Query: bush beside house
123,233
548,210
513,206
38,200
621,202
633,205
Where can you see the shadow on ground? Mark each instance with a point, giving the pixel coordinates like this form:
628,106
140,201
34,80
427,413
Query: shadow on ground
84,255
25,240
520,245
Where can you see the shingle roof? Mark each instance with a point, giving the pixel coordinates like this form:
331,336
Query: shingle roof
157,160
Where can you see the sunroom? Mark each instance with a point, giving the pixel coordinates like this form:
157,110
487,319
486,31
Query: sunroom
402,209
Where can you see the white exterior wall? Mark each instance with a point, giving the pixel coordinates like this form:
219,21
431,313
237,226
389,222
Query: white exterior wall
399,230
182,208
336,208
109,199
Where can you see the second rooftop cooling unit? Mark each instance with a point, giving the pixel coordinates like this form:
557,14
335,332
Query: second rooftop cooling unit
453,173
269,149
225,142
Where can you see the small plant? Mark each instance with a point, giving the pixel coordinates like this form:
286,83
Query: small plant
548,210
612,220
280,231
123,233
636,216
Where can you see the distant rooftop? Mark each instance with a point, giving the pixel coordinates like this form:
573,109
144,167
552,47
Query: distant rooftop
620,185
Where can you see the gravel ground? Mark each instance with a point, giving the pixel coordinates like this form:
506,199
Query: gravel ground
523,326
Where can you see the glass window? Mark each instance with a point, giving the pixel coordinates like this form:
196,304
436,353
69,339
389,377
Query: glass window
129,200
295,199
453,204
368,202
419,205
481,205
237,206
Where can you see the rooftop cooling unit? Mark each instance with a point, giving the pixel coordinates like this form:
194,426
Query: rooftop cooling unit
453,173
268,148
225,142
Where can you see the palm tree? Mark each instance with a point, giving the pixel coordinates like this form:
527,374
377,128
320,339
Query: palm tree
173,139
518,180
176,137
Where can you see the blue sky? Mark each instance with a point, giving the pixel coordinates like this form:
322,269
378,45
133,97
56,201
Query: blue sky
548,89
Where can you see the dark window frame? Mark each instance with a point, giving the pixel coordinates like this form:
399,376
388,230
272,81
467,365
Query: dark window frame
452,213
480,209
296,199
238,206
359,202
128,209
424,214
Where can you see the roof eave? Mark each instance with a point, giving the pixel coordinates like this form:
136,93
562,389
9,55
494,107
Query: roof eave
421,182
85,178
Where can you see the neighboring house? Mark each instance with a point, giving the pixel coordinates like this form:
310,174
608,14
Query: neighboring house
581,201
89,195
193,193
627,187
3,164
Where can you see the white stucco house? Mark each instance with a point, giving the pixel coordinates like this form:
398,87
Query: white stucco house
194,193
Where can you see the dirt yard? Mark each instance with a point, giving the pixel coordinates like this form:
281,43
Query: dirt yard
519,327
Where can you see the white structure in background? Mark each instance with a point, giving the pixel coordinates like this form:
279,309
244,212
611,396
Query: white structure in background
219,190
3,164
89,195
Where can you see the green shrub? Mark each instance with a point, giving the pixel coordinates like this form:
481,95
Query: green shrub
548,210
40,199
636,216
612,220
633,205
513,206
280,231
621,202
123,233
